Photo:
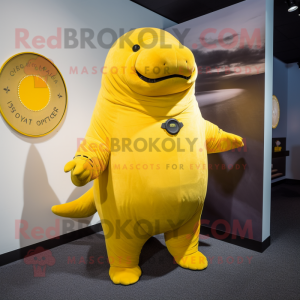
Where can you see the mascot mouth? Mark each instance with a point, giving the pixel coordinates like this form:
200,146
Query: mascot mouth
150,80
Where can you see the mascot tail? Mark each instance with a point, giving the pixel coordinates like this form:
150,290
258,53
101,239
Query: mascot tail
83,207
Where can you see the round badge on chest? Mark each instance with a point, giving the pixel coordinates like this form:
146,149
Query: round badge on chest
172,126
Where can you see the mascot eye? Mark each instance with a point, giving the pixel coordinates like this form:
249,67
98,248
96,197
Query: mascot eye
136,48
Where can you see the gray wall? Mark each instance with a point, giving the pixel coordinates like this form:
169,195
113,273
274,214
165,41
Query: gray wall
242,195
280,90
286,87
293,122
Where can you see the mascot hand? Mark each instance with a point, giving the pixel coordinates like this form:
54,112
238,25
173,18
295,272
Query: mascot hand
81,171
235,141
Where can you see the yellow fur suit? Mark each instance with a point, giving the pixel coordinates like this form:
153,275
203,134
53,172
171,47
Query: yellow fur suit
147,180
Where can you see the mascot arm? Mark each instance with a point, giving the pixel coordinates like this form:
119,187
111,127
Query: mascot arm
92,156
218,140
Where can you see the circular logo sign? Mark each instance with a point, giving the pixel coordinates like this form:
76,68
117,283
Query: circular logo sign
172,126
33,94
275,112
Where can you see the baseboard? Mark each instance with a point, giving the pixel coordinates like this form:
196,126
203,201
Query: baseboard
14,255
238,241
17,254
286,181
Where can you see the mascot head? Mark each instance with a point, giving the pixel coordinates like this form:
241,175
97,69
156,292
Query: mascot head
149,65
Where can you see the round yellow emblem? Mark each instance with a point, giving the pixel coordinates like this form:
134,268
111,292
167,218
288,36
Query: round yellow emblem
33,94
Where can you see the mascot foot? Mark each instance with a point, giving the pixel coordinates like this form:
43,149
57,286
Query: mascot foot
125,276
195,261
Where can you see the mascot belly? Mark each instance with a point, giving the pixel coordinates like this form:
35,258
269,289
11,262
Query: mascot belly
146,150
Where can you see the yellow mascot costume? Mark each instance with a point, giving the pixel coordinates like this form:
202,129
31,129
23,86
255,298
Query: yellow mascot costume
146,150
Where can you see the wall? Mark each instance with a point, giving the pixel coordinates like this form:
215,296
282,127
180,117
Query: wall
293,122
280,90
266,203
32,177
286,88
238,101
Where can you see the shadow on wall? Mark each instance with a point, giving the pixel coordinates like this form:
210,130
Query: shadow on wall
38,221
224,184
295,162
228,180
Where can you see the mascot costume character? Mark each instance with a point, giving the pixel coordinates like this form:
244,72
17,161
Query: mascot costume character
146,150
